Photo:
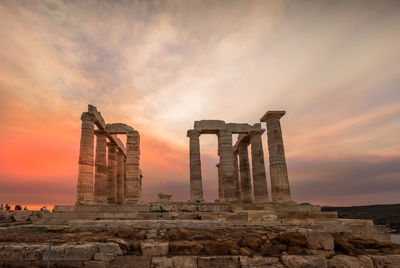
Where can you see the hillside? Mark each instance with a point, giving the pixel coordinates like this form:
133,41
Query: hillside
388,215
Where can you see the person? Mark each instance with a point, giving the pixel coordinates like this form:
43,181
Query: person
8,207
25,208
45,208
1,207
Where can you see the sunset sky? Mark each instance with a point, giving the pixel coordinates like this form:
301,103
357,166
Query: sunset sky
334,66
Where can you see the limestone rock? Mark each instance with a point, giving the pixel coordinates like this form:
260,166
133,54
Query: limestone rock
295,261
185,248
161,262
104,257
319,240
184,261
251,242
112,248
292,239
390,261
218,247
245,251
259,262
218,262
344,261
21,252
154,248
71,252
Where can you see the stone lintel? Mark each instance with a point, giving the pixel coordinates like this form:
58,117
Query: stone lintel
238,128
118,128
272,115
99,121
192,132
118,142
209,126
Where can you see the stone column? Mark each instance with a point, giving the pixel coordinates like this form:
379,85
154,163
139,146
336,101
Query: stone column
100,176
196,187
245,179
120,177
278,170
86,161
226,164
132,182
220,184
260,190
112,173
236,172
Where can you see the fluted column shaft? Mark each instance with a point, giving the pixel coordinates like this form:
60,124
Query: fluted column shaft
278,170
120,177
226,164
132,183
100,177
112,173
245,179
260,190
220,184
196,187
86,161
236,172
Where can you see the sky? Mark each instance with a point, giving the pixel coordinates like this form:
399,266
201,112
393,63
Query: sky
158,66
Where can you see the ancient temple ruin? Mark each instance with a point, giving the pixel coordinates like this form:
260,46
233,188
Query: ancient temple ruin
234,181
109,171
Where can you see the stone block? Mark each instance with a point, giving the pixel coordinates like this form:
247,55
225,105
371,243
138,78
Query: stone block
161,262
104,257
154,248
70,252
296,261
185,248
218,262
259,262
129,261
319,240
95,264
22,252
388,261
112,248
344,261
184,261
209,126
241,128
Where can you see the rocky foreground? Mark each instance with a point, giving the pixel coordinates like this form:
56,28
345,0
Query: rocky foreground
28,246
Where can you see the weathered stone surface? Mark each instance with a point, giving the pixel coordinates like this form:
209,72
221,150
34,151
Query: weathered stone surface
22,216
95,264
184,261
22,252
209,126
259,262
245,251
219,247
295,261
196,187
154,248
185,248
161,262
389,261
118,128
278,170
292,239
100,180
112,248
104,257
70,252
343,261
218,262
319,240
246,195
129,261
133,181
258,167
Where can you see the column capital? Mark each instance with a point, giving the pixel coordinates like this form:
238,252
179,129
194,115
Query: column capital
112,146
86,116
255,132
270,115
193,133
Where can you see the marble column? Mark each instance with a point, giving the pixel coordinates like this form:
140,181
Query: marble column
132,182
260,190
278,170
226,164
120,177
196,187
220,184
86,161
112,173
236,172
245,179
100,176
